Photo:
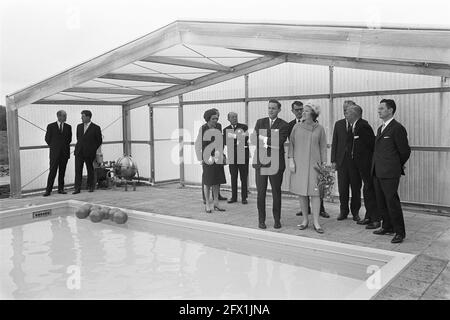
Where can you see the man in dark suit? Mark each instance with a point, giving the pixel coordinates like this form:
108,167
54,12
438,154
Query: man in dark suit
89,139
58,137
235,137
361,154
347,172
219,127
297,110
390,155
269,160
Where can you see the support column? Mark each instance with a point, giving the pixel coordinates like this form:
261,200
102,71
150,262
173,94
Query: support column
246,99
331,105
443,157
126,131
152,145
12,127
181,138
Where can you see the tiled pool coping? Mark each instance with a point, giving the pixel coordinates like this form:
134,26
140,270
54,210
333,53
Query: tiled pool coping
395,261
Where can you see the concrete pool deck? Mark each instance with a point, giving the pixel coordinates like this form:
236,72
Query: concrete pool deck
428,236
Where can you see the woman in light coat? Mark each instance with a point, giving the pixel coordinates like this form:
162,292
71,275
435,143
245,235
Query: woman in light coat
307,147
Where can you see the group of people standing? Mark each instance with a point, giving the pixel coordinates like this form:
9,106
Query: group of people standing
362,159
58,137
375,161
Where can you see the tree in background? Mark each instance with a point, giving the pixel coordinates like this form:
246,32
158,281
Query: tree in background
2,118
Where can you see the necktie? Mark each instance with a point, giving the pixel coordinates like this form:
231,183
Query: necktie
383,126
349,127
85,128
271,123
61,127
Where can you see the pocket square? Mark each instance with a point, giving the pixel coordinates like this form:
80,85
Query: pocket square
356,137
386,137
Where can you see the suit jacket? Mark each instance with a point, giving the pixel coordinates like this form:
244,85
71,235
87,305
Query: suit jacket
58,142
341,143
283,128
243,128
391,151
291,126
89,142
363,144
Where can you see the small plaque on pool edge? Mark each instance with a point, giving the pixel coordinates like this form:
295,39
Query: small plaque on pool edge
42,213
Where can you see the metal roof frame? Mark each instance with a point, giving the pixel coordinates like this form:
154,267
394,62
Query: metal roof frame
393,49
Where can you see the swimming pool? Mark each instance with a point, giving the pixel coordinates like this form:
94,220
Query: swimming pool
47,253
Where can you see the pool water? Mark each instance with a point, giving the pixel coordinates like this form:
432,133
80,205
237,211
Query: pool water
48,259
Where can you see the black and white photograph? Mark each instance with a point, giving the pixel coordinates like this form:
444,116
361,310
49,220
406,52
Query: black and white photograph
225,156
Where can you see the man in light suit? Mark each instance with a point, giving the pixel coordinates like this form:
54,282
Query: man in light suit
89,139
273,167
391,152
58,137
235,137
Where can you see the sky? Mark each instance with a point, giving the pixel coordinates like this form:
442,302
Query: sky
40,38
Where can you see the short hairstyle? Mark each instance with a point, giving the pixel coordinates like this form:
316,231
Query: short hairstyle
297,103
209,113
230,114
348,103
87,113
61,112
315,109
358,109
276,102
390,104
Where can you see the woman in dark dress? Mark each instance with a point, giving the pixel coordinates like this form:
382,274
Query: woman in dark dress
212,162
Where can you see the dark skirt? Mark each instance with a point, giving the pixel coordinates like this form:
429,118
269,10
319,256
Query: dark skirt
213,174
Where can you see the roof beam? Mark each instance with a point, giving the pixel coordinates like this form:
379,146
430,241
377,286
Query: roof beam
80,102
137,77
136,92
433,46
431,69
210,79
136,50
186,63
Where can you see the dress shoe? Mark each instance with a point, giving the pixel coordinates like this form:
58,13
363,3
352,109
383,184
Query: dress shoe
218,209
208,210
232,201
62,192
76,191
244,201
373,225
277,225
302,226
262,225
319,229
356,218
299,213
383,231
204,201
91,190
342,216
46,194
363,221
324,214
398,238
222,198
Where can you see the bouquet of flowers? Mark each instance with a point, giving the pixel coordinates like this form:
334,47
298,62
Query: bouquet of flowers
325,179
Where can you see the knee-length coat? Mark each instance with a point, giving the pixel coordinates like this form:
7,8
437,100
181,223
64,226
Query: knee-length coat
308,146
